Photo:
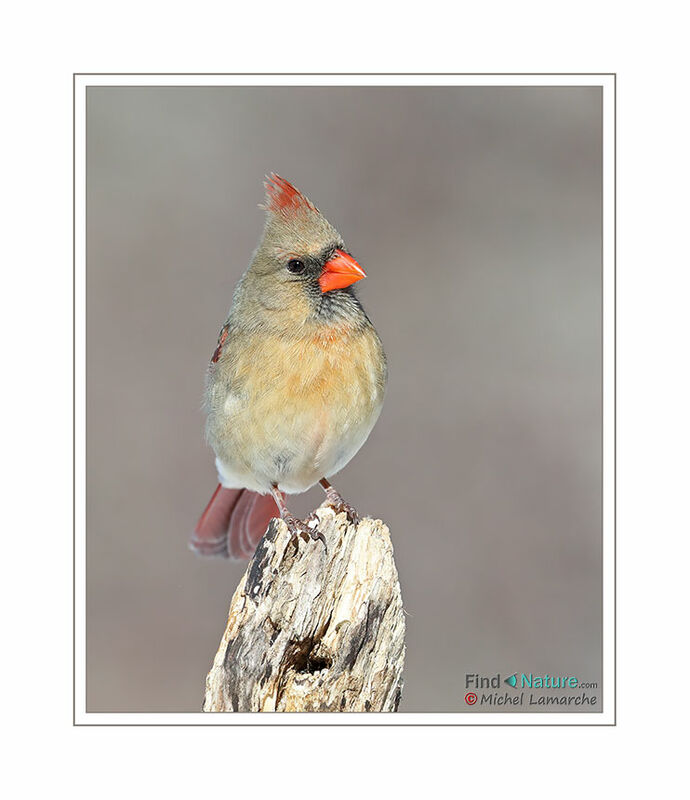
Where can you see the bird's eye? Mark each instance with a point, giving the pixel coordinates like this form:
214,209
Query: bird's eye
295,266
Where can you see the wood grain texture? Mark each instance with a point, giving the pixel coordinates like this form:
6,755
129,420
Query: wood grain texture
311,629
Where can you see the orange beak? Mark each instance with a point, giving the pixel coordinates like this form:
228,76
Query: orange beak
341,271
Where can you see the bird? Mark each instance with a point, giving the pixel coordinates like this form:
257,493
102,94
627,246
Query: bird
296,381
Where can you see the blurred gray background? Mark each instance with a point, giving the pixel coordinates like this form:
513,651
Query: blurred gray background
476,213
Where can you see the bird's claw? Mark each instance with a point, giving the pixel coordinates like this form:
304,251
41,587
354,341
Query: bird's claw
316,534
336,502
299,528
296,526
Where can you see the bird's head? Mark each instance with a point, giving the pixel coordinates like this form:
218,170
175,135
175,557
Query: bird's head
301,257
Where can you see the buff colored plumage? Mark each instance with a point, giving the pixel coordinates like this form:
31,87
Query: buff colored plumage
297,379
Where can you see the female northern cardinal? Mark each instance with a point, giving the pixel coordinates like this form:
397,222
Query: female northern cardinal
296,382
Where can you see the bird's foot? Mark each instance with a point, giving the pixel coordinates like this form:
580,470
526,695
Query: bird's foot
310,519
297,527
336,502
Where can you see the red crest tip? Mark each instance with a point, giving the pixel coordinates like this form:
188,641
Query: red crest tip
283,198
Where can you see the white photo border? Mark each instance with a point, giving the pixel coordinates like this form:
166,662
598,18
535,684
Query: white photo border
607,82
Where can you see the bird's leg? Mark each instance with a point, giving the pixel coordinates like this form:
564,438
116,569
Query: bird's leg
295,525
336,502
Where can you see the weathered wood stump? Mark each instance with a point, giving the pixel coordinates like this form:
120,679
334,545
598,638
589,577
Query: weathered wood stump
314,629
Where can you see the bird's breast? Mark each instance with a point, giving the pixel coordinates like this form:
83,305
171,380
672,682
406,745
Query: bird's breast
304,404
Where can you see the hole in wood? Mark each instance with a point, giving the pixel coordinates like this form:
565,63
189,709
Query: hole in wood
306,658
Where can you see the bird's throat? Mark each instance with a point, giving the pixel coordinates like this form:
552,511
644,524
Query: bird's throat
338,308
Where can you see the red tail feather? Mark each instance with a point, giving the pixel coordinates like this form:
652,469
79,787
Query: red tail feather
232,523
248,523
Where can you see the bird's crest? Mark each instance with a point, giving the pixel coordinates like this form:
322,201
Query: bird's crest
282,197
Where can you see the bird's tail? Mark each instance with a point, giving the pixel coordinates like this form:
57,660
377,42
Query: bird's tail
233,523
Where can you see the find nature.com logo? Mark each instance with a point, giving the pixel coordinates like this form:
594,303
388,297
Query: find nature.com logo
524,680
